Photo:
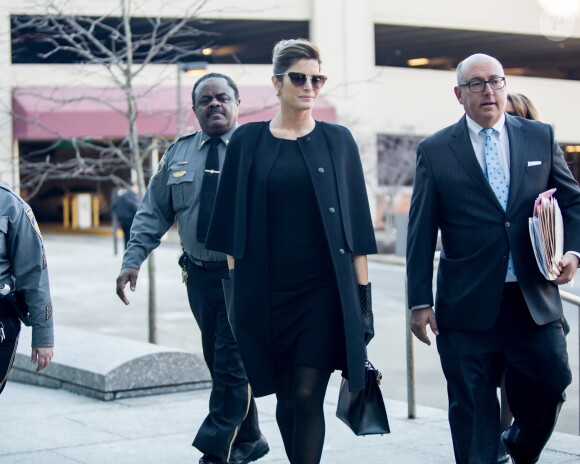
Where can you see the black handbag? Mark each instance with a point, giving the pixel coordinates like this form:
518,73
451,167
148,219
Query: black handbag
364,411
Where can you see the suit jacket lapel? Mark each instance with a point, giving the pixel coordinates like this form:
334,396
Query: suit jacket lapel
518,147
462,148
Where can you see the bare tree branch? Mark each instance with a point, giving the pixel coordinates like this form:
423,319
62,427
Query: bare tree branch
116,44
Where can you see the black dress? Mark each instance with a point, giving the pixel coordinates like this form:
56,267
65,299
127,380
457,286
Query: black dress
239,229
305,312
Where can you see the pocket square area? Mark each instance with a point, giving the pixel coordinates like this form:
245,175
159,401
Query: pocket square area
534,163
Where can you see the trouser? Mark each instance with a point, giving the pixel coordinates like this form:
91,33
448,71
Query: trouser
9,332
536,375
126,227
233,417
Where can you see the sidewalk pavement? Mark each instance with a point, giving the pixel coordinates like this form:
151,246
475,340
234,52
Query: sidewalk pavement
40,425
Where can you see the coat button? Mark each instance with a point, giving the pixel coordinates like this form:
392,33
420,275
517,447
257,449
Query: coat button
308,139
321,170
331,210
504,258
341,251
507,224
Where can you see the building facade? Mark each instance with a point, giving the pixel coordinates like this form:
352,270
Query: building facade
368,47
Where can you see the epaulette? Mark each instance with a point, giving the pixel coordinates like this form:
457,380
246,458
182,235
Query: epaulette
10,191
183,137
5,187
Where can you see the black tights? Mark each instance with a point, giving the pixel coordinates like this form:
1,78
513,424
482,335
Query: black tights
299,413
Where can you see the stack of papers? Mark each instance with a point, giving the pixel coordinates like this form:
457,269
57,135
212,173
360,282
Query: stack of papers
547,234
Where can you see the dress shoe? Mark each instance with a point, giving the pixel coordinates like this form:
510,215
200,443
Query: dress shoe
250,451
503,456
514,455
209,459
522,462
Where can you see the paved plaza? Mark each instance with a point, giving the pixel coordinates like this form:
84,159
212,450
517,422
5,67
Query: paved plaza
41,425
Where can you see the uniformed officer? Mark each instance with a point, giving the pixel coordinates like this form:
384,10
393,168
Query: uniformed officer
23,284
184,186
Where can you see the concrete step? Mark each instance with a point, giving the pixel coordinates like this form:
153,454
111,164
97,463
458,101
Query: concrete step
109,368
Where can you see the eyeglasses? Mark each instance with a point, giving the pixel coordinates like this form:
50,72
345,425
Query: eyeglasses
298,79
479,86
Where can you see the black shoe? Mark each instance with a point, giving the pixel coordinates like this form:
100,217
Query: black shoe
244,453
209,459
503,456
513,452
522,462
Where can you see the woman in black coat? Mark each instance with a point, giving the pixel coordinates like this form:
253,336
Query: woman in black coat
292,215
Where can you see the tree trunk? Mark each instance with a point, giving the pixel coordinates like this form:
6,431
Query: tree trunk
152,300
136,160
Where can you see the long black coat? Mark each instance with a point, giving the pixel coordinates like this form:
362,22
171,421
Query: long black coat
238,228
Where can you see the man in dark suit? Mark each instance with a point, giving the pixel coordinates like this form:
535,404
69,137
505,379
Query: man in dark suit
476,182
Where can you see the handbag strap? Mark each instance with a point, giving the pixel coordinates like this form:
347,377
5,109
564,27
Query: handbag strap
369,367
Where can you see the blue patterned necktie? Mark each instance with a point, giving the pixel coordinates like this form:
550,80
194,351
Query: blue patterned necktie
496,177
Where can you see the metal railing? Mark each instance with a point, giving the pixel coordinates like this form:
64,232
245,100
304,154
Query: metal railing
575,300
411,400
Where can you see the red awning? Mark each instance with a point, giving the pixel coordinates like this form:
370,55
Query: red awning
43,113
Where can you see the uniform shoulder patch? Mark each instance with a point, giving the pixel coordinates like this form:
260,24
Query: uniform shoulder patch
32,220
162,163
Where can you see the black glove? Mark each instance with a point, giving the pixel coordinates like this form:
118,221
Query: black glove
366,305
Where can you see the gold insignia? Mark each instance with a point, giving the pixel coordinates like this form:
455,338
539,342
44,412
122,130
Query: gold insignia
32,220
179,173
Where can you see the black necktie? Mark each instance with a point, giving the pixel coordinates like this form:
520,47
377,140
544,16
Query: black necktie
208,188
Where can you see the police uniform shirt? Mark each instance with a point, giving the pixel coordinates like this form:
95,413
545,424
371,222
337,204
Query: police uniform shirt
174,191
22,257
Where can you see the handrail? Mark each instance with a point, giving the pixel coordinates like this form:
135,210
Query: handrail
570,297
574,299
411,400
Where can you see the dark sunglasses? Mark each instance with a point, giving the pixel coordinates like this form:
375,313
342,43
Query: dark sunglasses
299,79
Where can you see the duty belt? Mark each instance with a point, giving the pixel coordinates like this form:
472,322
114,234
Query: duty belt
206,265
210,265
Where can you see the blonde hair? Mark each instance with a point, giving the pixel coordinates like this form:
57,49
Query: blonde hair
288,52
523,106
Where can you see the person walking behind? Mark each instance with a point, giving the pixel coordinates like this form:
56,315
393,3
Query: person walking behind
125,207
184,186
517,105
520,105
292,213
24,286
476,181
